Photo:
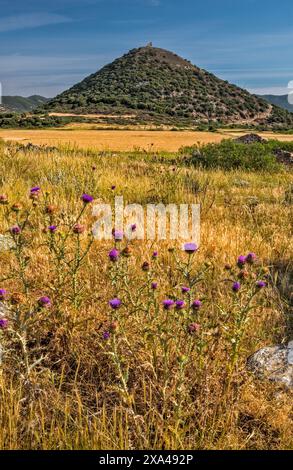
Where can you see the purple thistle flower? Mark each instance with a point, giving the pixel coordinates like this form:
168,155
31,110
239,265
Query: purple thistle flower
86,198
44,301
114,255
133,227
35,192
35,189
155,254
251,258
145,266
168,304
15,230
194,328
236,286
3,294
78,229
261,284
52,228
241,261
196,305
154,285
113,187
180,304
118,235
185,290
106,335
115,303
3,323
190,248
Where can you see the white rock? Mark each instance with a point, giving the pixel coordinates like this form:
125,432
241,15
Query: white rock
273,363
6,242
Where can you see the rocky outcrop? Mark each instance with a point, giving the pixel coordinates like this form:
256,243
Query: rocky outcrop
250,139
284,157
274,363
6,242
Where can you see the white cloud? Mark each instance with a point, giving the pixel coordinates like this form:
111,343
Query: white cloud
45,75
269,91
30,20
253,73
20,64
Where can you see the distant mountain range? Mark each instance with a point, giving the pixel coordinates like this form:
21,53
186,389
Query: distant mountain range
281,101
154,84
20,104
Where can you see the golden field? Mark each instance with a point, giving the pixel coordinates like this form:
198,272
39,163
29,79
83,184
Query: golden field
118,140
76,374
85,136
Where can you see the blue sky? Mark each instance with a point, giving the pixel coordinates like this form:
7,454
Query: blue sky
47,46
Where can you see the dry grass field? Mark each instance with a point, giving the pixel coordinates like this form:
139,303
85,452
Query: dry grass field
78,374
111,140
85,136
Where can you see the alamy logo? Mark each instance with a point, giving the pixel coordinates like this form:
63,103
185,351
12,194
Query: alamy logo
153,222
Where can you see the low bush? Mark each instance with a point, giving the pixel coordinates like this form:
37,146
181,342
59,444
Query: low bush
230,155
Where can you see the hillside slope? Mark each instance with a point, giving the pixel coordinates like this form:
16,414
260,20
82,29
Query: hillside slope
158,84
281,101
21,104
